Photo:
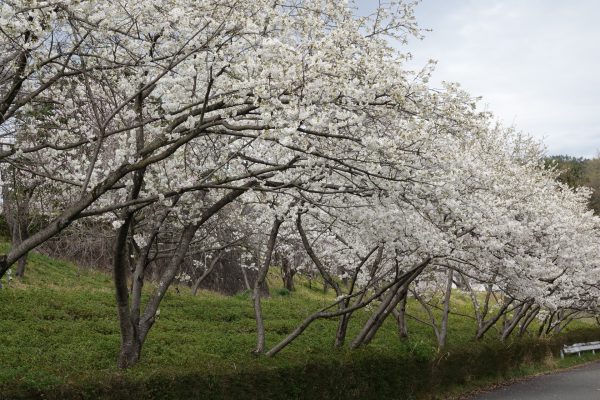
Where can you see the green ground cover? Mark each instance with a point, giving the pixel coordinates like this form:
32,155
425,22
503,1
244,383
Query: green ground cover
59,338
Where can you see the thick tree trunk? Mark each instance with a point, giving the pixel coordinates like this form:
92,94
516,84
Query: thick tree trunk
131,343
129,352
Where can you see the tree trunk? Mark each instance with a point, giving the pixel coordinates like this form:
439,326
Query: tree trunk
130,351
518,315
443,333
360,303
486,325
16,241
440,330
262,274
340,336
130,345
395,294
528,320
401,294
16,200
208,269
246,281
328,280
400,314
22,234
287,274
540,332
133,334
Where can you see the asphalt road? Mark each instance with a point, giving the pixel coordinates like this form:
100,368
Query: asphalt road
582,383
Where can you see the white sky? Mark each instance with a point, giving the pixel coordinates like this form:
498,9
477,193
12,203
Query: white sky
536,63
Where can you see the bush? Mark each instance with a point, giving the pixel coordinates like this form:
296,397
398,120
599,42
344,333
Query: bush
282,292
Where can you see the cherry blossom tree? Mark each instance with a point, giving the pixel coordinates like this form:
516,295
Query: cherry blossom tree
293,120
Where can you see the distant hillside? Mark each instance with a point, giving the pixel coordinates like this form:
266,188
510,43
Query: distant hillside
578,172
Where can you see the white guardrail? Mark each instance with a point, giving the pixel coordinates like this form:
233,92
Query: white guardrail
579,347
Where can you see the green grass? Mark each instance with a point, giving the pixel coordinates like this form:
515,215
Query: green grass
59,336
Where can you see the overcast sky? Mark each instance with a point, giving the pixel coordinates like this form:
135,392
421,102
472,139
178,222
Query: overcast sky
536,63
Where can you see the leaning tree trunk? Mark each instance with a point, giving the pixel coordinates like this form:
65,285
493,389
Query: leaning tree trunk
397,298
362,301
485,325
542,326
528,320
517,316
389,303
342,330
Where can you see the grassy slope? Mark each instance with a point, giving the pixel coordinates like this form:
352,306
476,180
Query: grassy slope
58,327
